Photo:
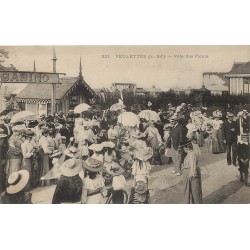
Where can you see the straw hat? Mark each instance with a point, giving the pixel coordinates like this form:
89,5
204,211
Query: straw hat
143,154
115,169
17,181
93,165
2,134
140,187
71,152
108,144
96,147
71,167
56,153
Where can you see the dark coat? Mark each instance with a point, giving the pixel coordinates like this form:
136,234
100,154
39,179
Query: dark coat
177,135
68,189
231,130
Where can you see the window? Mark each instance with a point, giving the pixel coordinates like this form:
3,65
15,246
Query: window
246,84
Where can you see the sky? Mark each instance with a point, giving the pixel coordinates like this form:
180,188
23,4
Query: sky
162,66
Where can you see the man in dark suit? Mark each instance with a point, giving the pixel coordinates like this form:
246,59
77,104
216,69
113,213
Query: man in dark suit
177,135
231,131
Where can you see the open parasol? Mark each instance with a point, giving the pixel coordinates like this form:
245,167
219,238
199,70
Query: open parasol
128,119
149,115
22,116
81,108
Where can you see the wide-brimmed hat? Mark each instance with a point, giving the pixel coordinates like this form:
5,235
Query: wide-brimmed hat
140,187
96,147
71,167
56,153
63,137
115,169
71,152
2,134
244,111
17,181
185,143
93,165
108,144
230,115
143,154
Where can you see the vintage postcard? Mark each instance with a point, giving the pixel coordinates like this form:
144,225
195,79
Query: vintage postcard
124,124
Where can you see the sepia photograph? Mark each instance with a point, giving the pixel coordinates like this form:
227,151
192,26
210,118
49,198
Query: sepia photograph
155,124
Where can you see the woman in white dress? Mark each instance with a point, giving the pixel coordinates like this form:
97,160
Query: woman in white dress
93,190
217,134
27,151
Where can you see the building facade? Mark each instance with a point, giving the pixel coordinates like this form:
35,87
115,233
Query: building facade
71,92
216,82
239,79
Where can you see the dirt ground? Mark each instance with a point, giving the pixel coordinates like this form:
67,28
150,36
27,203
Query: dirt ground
220,184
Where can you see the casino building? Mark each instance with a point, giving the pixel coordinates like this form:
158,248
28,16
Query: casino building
69,93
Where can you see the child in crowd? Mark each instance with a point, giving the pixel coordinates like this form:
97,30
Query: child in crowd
243,157
118,183
83,149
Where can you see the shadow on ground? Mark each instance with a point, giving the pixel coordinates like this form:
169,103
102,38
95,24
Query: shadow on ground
223,193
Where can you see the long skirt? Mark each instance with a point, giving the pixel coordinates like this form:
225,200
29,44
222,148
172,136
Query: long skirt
44,167
192,189
95,199
26,165
13,165
217,141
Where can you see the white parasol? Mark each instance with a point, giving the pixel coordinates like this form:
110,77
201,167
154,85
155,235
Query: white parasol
22,116
81,108
149,115
128,119
117,106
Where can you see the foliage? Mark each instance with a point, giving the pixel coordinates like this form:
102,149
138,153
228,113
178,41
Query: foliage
161,100
10,101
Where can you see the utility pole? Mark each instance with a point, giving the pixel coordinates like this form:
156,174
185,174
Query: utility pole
54,59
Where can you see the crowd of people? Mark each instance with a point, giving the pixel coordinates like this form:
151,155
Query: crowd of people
90,155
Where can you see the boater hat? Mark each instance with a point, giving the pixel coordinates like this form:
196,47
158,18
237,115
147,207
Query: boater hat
71,152
17,181
115,169
71,167
93,165
56,153
229,114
